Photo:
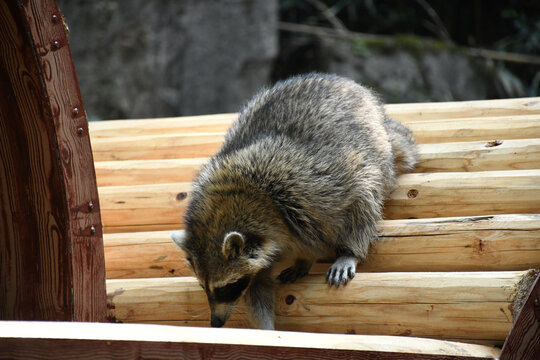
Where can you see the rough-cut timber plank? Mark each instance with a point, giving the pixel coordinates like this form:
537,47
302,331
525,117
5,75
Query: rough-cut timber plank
460,109
479,156
523,342
35,277
465,194
153,147
447,157
500,242
475,129
52,263
69,117
426,195
473,118
40,340
161,126
139,172
471,306
193,145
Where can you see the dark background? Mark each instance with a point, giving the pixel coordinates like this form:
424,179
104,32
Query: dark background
138,58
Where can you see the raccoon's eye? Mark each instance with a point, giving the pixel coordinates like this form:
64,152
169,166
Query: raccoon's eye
190,260
231,292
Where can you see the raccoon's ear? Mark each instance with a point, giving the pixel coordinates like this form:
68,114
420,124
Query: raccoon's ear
233,244
178,237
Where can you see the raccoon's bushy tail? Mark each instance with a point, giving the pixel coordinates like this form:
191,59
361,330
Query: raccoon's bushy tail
405,152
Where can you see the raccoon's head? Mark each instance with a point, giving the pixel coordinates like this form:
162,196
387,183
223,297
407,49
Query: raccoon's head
225,267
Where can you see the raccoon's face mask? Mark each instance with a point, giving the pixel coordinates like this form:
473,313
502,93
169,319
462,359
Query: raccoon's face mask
229,276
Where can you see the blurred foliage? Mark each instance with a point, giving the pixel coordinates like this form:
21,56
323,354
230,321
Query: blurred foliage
504,25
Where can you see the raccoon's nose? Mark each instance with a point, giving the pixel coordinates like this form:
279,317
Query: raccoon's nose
216,321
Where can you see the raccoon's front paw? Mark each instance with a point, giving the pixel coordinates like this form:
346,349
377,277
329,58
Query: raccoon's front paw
295,272
341,271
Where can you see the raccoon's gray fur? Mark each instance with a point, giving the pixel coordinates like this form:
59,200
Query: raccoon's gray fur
303,173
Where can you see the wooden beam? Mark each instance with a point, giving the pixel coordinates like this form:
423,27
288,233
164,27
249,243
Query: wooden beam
39,340
475,128
467,306
497,113
500,242
461,109
479,156
465,194
51,250
523,340
449,157
162,126
174,145
140,172
161,206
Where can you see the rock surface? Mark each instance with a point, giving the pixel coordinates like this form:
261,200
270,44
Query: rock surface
141,58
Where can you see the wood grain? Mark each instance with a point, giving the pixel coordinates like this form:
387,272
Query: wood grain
40,340
140,172
523,340
66,111
424,195
461,109
428,195
493,119
461,305
518,154
35,273
174,145
475,128
218,123
500,242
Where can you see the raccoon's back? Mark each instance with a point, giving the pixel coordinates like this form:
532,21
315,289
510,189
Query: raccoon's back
315,108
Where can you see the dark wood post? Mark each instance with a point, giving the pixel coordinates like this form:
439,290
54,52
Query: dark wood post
51,247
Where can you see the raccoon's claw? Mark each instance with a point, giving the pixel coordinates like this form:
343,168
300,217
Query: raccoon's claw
295,272
343,270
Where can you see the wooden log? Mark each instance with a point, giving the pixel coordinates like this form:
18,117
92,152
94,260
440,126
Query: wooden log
157,147
140,172
471,306
464,194
51,250
450,157
475,128
500,242
427,195
479,156
488,114
460,109
143,207
40,340
171,145
162,126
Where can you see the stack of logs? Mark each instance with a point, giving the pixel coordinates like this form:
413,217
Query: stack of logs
456,247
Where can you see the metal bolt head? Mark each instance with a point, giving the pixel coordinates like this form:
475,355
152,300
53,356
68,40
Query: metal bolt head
92,230
80,131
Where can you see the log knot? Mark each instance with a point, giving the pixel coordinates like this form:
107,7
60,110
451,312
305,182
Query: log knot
181,196
289,299
411,194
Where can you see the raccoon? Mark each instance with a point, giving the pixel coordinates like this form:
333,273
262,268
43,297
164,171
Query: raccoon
302,174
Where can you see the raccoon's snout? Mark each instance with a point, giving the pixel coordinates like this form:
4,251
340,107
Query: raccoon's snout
217,321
